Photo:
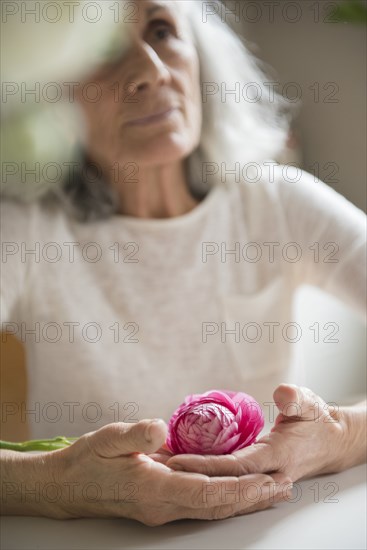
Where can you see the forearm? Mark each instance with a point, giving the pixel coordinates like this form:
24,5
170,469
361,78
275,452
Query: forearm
356,434
23,482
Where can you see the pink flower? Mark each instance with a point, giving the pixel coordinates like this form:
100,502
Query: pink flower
216,422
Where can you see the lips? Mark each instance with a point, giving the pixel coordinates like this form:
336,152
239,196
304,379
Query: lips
156,116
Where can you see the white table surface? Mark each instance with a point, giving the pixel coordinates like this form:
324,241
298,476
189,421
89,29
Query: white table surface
304,524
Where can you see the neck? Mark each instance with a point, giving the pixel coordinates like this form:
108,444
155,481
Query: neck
155,192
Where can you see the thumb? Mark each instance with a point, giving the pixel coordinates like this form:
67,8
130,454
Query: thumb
121,438
297,401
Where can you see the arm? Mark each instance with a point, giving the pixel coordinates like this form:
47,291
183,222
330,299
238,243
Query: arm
23,480
126,481
331,232
315,213
356,431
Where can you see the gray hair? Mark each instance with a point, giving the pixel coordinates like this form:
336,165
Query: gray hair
251,130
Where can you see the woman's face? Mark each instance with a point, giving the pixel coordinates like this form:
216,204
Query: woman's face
159,73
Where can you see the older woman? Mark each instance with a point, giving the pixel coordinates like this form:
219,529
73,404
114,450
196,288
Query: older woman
143,276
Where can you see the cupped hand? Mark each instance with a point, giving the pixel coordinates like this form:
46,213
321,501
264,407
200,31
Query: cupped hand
307,439
111,473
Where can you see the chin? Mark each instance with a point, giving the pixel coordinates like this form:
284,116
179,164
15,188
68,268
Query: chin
159,152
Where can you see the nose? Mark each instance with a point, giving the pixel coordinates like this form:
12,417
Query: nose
149,70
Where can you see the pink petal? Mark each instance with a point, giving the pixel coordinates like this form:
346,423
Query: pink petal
216,422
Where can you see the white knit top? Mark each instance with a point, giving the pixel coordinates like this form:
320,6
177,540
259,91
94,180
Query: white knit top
122,318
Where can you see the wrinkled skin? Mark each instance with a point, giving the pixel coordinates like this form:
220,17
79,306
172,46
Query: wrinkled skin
120,455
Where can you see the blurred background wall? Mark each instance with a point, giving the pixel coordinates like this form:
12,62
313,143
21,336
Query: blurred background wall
327,63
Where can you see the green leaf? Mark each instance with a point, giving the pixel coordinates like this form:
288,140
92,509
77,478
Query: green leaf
54,444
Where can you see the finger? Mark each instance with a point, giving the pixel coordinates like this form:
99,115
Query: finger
160,457
259,500
225,511
121,438
210,465
198,491
165,451
257,458
267,502
297,401
284,493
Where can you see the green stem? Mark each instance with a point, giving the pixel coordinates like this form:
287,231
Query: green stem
58,442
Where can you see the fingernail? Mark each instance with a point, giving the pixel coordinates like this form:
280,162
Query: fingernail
147,432
285,481
286,489
270,484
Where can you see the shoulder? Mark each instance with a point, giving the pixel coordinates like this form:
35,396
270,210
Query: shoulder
298,185
290,189
274,181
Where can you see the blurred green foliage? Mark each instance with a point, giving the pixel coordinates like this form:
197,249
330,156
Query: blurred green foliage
350,11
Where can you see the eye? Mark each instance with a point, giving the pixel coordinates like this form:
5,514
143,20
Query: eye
162,29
